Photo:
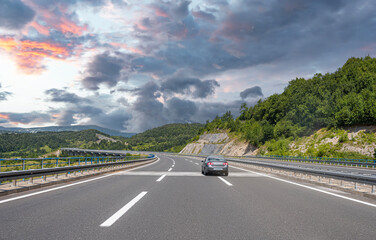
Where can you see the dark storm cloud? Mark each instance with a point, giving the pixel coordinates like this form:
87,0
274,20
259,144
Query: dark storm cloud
209,110
104,69
95,3
251,33
14,14
149,111
70,114
4,95
204,15
251,93
94,110
201,89
116,119
180,110
25,118
58,95
181,9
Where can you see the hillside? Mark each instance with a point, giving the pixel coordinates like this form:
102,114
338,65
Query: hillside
352,142
170,137
41,143
334,101
107,131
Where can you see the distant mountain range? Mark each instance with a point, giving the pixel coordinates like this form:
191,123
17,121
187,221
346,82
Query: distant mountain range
108,131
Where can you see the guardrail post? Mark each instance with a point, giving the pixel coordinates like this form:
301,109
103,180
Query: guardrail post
14,183
373,189
23,164
355,186
57,162
31,180
41,164
69,162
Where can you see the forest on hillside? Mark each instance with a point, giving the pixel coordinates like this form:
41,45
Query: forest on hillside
37,144
170,137
344,98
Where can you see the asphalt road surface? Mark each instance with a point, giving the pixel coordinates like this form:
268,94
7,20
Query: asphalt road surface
171,199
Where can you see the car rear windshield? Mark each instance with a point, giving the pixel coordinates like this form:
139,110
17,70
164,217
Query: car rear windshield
216,159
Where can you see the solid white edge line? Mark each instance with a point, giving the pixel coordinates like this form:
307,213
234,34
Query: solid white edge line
160,179
122,210
308,187
169,170
72,184
225,181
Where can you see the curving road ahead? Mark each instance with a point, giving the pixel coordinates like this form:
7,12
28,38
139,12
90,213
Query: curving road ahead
170,199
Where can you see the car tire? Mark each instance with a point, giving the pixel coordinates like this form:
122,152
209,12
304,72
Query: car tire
226,174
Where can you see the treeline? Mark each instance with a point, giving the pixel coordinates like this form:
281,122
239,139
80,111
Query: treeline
344,98
37,144
170,137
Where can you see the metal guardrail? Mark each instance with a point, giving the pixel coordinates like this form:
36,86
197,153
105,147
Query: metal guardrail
12,175
14,164
361,178
344,161
353,177
330,161
80,151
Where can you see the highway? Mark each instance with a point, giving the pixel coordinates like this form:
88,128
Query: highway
171,199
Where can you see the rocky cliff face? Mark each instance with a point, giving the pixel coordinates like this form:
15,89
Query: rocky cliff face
218,144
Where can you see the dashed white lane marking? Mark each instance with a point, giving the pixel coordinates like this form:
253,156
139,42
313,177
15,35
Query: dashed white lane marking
123,210
184,174
173,161
169,170
196,163
173,166
190,161
160,179
308,187
73,184
225,181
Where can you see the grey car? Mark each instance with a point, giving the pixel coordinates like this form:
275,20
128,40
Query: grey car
214,164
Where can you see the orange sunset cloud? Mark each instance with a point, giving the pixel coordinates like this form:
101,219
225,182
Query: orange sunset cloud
29,54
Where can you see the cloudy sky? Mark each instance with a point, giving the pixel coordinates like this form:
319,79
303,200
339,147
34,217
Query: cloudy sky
133,65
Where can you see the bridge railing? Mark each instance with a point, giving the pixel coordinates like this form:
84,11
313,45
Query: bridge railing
74,167
18,164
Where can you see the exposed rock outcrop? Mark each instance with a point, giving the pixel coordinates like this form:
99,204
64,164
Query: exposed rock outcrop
219,144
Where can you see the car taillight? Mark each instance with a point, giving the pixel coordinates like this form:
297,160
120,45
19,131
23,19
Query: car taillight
225,163
210,163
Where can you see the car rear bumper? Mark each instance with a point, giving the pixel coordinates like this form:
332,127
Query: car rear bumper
214,170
